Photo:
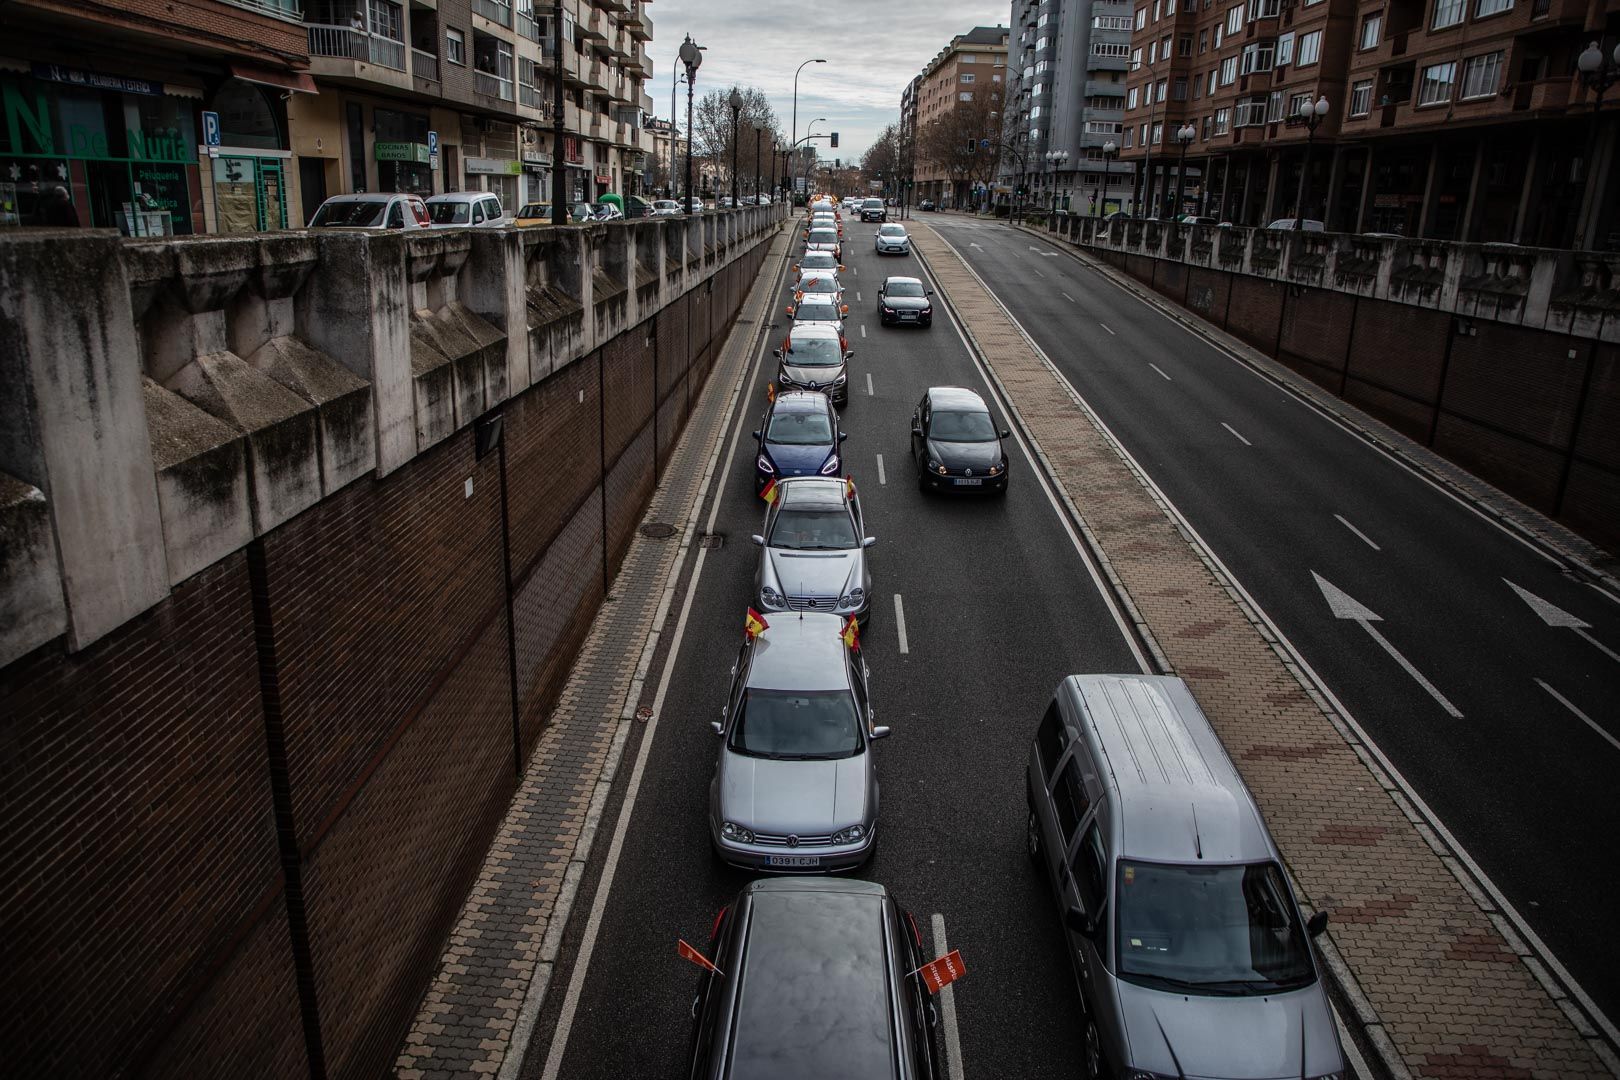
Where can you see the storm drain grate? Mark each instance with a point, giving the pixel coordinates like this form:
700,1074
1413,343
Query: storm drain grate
658,530
711,540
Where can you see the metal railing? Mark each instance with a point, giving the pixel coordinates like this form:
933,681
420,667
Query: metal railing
284,9
527,26
493,85
424,65
495,11
529,95
346,41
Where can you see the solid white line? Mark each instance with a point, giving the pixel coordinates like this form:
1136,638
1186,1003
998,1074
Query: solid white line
900,623
1358,532
1543,953
1160,370
1406,666
947,1005
882,479
1105,327
1069,298
593,925
1596,644
868,379
1235,434
1570,705
1037,272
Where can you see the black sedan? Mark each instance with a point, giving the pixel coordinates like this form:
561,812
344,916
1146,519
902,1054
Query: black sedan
955,443
905,300
926,204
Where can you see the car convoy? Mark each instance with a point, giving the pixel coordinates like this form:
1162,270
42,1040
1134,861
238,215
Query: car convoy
1188,945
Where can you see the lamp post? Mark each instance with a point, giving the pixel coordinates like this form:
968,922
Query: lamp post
759,133
691,55
810,165
1313,117
1599,71
1185,134
1055,159
1147,159
1110,151
793,136
736,102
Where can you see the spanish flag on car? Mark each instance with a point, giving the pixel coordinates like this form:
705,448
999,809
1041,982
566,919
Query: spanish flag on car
770,391
755,624
768,492
849,487
851,633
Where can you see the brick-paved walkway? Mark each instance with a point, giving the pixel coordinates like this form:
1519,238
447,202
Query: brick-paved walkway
1451,985
504,946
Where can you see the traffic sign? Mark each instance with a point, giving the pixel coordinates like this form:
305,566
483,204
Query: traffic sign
433,142
211,132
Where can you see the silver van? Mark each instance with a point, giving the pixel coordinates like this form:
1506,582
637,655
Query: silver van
1184,934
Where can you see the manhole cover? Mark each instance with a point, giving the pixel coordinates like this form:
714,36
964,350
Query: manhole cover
711,540
644,713
658,530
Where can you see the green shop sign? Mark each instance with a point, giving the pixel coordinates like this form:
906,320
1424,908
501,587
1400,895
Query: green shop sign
402,151
31,130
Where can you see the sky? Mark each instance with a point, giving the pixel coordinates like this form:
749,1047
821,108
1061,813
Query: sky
872,50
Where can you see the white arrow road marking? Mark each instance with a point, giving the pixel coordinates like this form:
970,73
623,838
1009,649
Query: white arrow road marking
1235,434
947,1005
1160,370
1557,616
973,245
1344,606
1566,703
882,479
1358,532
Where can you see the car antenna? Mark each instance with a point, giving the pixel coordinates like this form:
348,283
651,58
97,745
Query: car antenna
1198,841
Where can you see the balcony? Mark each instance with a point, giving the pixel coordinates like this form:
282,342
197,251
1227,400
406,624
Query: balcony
1553,93
595,27
496,11
595,74
530,95
526,25
424,65
492,85
639,23
345,42
281,9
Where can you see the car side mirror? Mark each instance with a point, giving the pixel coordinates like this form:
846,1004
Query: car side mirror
844,310
881,731
840,268
1005,434
718,727
1079,922
1316,924
842,435
930,292
868,541
849,354
777,353
917,431
759,541
755,434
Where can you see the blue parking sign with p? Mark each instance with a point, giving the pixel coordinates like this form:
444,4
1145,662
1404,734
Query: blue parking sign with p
210,121
433,142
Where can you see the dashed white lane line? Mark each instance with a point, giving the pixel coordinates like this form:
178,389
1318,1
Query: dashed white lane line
863,329
857,296
1069,298
947,1003
868,380
1039,274
900,623
1235,434
1364,538
882,478
1160,370
1570,705
1105,327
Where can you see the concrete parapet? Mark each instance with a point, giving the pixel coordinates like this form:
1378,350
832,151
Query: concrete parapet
31,608
202,481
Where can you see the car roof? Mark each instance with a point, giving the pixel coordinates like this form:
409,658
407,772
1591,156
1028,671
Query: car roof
946,398
911,281
811,491
800,651
800,401
370,197
461,196
813,330
1176,797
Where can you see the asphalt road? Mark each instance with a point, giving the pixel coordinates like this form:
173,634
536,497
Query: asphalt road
1524,779
999,606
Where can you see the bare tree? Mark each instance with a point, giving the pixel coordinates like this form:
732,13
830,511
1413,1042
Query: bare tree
883,157
712,128
953,143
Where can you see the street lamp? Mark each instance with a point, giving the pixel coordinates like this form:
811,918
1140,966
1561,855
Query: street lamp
1599,72
1055,159
809,165
735,101
1147,158
691,56
1184,135
1313,117
793,136
1110,151
759,133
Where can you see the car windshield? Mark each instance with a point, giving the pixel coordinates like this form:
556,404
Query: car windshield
892,230
817,352
819,285
667,204
823,313
797,725
450,213
962,427
874,204
903,288
823,236
819,529
1210,929
818,262
800,428
350,214
534,210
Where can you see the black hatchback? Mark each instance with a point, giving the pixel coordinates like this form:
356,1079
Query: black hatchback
955,443
818,983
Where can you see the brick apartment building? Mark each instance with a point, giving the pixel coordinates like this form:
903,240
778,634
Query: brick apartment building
1447,119
972,63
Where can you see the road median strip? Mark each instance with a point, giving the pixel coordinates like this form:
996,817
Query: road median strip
1433,983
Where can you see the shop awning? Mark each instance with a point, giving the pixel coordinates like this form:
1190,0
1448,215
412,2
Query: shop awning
286,80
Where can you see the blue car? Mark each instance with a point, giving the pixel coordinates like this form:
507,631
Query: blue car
798,436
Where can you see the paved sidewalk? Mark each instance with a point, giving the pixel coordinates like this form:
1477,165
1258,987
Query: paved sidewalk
1444,983
498,963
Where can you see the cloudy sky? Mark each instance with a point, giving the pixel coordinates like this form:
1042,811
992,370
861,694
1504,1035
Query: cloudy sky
872,50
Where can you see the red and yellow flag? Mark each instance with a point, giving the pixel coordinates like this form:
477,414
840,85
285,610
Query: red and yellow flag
851,633
768,492
770,391
755,624
849,487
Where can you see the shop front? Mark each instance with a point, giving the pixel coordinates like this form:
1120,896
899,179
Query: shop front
100,149
404,166
249,168
536,176
499,175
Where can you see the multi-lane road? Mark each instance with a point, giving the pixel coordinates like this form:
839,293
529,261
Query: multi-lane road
981,606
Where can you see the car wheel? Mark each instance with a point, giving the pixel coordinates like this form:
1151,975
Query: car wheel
1096,1064
1032,837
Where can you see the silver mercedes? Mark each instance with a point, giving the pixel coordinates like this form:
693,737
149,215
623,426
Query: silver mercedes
813,555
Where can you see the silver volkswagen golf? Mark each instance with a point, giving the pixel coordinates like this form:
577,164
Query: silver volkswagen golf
814,556
795,788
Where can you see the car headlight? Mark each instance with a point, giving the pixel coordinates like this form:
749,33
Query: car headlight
831,466
851,835
841,380
995,469
937,467
927,311
736,833
770,597
852,599
764,464
782,380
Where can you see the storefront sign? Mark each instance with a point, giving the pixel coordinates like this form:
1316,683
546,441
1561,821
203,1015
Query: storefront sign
492,166
95,80
401,151
604,179
35,120
536,157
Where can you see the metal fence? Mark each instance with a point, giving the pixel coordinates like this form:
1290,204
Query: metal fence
346,41
424,65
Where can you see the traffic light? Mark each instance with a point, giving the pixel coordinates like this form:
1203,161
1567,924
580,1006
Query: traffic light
838,163
835,140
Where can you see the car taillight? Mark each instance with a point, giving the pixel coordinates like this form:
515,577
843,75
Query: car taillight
715,930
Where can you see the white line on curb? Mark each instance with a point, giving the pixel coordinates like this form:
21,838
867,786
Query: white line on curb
1570,705
1235,434
900,623
1358,532
881,478
947,1002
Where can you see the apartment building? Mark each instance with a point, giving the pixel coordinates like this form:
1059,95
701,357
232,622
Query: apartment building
972,65
1448,119
1066,94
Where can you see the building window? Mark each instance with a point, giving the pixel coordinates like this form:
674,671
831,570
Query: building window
1258,57
1103,127
1371,27
1251,112
1264,9
1308,3
1298,103
1148,95
1212,74
1040,22
1229,71
1141,17
1361,98
1130,138
1158,133
1492,7
1132,96
1221,121
1435,85
1234,21
1041,43
1153,52
967,77
1158,9
1310,47
1109,48
1112,22
968,58
455,47
1040,90
1447,13
1203,42
966,95
1197,87
1274,107
1285,49
1163,85
1178,92
1481,75
1184,45
1217,37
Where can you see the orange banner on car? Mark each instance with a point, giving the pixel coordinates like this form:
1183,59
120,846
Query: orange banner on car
686,952
938,974
755,623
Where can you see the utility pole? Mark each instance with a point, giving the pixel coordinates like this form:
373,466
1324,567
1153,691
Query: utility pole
559,202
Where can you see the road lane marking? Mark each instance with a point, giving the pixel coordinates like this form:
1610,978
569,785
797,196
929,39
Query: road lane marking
1039,274
882,479
1344,606
1358,532
1556,616
857,296
900,623
863,331
947,1004
868,374
1069,298
1105,327
1570,705
1235,434
1160,370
